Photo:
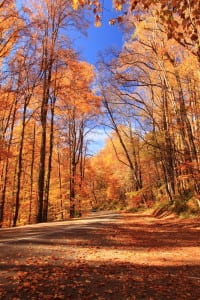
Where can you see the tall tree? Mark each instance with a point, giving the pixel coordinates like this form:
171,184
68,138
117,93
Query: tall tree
181,19
80,105
49,18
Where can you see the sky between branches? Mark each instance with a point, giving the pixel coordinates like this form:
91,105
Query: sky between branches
97,40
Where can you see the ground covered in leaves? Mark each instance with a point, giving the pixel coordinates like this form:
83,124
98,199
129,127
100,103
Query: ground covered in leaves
127,256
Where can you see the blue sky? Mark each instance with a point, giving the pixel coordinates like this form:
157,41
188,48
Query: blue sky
99,38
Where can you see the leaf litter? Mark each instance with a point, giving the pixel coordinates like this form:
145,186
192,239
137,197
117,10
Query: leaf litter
130,259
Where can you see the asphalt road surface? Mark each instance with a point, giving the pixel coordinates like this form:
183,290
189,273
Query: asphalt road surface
104,256
40,231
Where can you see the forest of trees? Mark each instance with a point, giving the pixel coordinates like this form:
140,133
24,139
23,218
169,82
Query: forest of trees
147,97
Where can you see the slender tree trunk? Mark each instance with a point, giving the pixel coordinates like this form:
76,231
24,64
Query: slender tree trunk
73,164
20,162
60,186
81,166
47,186
136,161
48,64
41,177
126,152
4,189
14,191
72,182
168,157
72,192
31,175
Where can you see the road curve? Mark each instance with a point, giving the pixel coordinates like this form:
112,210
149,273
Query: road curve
41,230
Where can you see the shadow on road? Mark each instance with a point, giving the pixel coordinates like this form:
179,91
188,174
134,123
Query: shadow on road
102,281
107,232
102,257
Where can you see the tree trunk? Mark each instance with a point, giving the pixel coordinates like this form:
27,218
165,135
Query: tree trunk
44,108
4,189
31,175
47,186
60,186
20,159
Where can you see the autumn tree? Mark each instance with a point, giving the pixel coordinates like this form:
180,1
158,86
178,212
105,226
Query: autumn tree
79,105
10,25
110,179
146,85
48,19
181,19
32,86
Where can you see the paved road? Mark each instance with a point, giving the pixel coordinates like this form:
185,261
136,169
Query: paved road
31,254
104,256
42,230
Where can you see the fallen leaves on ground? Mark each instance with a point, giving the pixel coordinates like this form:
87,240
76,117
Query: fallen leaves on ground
129,259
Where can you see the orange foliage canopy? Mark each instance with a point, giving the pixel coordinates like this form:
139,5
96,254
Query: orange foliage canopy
180,18
10,24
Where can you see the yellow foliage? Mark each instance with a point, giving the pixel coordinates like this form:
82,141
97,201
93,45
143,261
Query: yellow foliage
75,4
97,22
117,5
10,23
